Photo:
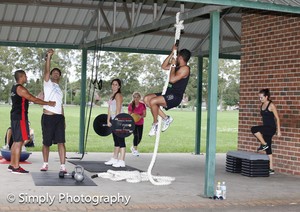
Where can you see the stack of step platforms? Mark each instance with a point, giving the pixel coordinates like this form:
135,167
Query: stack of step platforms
249,164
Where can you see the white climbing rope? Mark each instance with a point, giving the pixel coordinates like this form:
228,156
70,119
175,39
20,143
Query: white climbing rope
136,176
164,180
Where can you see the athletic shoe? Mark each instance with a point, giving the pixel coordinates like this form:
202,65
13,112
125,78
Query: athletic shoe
262,147
44,168
64,170
271,171
153,129
23,149
5,147
112,161
10,168
120,163
136,153
19,170
166,123
132,149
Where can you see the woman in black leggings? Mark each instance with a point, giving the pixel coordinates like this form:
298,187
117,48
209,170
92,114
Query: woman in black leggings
265,132
137,109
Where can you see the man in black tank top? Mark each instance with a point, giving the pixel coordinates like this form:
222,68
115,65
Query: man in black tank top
19,119
178,80
265,132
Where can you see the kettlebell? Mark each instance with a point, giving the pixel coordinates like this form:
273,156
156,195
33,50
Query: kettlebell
79,173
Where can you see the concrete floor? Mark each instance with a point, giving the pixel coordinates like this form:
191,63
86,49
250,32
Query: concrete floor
276,192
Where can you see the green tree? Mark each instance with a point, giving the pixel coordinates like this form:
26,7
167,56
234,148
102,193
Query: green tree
231,94
8,56
229,80
138,72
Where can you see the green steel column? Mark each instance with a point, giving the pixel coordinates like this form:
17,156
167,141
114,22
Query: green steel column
82,101
210,163
199,106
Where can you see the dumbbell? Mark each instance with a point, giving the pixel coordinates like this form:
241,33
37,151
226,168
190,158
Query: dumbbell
62,174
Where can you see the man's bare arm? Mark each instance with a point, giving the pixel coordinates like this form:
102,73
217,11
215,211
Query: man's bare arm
23,92
47,65
183,72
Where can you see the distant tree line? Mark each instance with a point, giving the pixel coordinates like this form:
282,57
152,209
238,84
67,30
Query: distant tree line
138,72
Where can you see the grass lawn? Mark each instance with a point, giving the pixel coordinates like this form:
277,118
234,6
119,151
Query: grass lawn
180,137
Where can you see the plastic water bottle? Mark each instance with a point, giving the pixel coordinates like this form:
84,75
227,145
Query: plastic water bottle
218,190
223,190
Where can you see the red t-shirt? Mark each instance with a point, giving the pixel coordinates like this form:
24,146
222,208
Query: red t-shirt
139,109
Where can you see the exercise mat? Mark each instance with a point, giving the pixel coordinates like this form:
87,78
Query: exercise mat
52,179
99,166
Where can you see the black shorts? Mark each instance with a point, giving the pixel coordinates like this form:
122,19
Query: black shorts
53,129
171,100
20,130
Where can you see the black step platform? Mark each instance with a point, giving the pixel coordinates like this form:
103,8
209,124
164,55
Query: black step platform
249,164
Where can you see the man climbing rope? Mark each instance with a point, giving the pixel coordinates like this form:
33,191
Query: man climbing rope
178,79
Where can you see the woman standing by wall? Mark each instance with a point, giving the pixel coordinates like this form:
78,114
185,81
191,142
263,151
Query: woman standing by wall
265,132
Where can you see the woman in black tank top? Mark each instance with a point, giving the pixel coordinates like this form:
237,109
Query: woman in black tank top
265,132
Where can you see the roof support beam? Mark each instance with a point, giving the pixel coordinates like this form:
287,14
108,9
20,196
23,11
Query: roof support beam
250,4
237,37
210,162
105,21
138,13
227,50
76,6
161,12
201,42
132,13
154,10
126,11
114,17
39,45
93,19
103,28
155,25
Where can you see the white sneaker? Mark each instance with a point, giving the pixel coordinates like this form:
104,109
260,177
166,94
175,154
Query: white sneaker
5,147
24,149
120,163
166,123
44,168
132,149
153,129
111,161
62,169
136,153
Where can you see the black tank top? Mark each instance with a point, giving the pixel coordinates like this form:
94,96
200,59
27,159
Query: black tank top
267,116
178,88
20,105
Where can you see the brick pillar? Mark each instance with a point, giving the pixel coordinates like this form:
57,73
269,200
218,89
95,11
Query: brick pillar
271,59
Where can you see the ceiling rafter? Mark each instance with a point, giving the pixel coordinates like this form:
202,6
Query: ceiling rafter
165,23
137,24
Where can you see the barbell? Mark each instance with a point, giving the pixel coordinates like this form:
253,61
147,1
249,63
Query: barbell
122,125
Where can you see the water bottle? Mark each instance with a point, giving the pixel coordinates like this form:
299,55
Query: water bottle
223,189
218,190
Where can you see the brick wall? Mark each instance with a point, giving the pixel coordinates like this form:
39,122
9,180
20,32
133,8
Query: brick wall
271,59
